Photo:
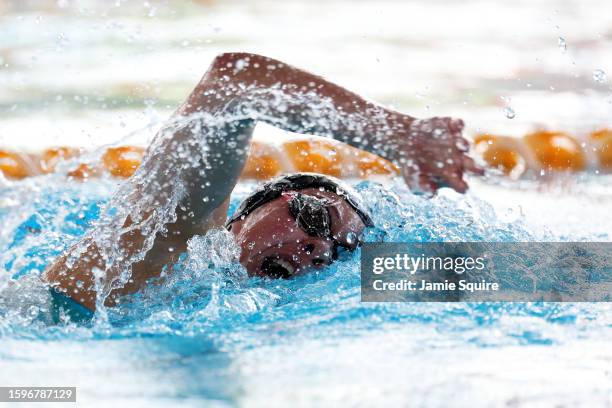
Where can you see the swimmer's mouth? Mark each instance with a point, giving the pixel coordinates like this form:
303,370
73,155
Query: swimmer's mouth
275,267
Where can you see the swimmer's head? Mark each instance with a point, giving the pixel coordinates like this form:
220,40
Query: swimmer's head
296,223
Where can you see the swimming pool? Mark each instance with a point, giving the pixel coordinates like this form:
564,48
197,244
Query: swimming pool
73,75
213,337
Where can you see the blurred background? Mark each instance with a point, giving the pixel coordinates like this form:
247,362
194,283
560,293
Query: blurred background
91,72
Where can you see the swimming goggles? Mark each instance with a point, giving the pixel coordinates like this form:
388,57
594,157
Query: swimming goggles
295,182
313,216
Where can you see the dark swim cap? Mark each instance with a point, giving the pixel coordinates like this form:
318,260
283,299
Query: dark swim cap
295,182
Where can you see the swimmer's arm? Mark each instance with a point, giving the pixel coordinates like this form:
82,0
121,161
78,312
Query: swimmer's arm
431,153
81,272
207,159
240,89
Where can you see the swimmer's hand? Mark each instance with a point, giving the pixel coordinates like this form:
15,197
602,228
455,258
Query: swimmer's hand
432,153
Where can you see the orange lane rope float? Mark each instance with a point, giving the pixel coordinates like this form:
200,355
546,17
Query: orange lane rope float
266,160
314,155
17,165
602,140
122,161
51,157
543,150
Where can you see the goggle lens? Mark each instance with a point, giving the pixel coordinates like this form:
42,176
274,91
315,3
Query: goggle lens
313,217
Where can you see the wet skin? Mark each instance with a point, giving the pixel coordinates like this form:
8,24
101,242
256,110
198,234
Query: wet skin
271,233
431,154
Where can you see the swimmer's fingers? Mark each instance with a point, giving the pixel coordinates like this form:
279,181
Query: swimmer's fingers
440,155
419,182
455,125
456,182
462,144
470,165
430,184
427,184
454,177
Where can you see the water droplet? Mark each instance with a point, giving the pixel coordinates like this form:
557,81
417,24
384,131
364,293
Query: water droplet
33,311
351,238
600,76
240,65
562,44
509,112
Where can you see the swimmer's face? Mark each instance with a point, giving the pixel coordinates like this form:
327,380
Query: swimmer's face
275,244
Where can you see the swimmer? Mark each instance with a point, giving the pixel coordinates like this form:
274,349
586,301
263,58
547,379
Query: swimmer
289,226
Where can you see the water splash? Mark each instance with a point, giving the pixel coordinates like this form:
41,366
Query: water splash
600,76
562,44
509,112
208,290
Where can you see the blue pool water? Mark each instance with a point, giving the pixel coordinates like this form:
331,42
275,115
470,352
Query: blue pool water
212,336
71,73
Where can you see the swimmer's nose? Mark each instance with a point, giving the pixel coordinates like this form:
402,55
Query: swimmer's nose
318,254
